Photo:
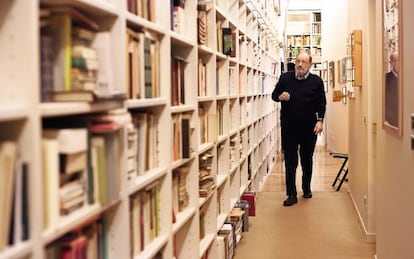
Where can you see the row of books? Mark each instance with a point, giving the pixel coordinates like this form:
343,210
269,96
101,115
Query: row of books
206,180
180,198
14,218
208,124
298,40
80,163
89,242
178,82
144,217
231,83
182,131
142,149
143,73
73,53
230,233
142,8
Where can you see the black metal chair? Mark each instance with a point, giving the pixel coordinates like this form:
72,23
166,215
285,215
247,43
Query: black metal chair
344,168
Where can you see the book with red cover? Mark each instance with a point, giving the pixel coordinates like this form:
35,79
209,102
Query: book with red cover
74,248
250,197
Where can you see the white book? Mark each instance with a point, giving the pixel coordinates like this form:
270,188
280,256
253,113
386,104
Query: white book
69,140
50,161
105,80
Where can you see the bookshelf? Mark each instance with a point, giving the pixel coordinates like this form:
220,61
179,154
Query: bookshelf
304,33
175,92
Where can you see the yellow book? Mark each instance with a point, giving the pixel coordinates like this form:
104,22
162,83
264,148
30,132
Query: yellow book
8,151
50,162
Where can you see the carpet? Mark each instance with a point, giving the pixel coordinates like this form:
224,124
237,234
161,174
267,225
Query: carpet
324,227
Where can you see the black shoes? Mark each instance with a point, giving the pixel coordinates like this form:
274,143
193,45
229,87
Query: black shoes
307,195
290,201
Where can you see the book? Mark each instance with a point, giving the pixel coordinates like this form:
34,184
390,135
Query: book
135,210
66,207
83,33
176,137
85,96
155,64
233,50
148,69
60,29
178,84
73,96
132,64
183,196
106,127
23,177
185,136
105,85
46,67
8,156
74,248
179,18
21,221
250,197
50,162
70,140
141,120
227,40
66,164
202,27
201,78
144,64
99,169
72,163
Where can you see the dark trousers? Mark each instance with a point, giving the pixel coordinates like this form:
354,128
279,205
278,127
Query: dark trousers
305,144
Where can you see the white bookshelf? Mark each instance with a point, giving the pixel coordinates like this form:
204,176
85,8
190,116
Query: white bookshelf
304,33
242,131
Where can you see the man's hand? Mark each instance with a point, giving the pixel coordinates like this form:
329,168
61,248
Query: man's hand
318,127
285,96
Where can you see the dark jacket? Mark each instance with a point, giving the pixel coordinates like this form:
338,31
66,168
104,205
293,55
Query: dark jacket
307,101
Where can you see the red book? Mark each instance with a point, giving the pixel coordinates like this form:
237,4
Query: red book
75,248
250,197
105,127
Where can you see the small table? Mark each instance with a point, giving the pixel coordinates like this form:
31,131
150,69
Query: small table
344,168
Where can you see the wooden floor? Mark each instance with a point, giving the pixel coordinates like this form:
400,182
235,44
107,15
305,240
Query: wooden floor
325,169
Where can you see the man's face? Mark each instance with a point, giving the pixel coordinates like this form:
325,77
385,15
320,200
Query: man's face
302,64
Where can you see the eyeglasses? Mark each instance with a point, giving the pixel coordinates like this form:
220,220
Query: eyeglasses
298,61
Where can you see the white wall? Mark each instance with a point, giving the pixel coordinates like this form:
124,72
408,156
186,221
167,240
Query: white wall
335,30
395,173
381,164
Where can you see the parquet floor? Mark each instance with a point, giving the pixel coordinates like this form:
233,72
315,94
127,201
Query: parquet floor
325,169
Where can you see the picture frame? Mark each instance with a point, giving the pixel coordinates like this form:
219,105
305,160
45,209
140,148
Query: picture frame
331,76
392,88
343,69
338,73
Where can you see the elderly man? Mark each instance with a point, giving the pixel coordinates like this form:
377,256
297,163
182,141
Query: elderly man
303,105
